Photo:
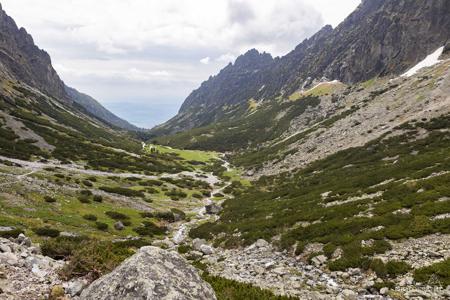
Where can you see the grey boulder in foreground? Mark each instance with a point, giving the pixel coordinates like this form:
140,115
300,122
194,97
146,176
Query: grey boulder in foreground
152,273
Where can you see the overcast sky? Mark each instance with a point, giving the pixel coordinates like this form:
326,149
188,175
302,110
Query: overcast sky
141,58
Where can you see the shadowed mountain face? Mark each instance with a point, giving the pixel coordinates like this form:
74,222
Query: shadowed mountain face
96,109
22,60
379,38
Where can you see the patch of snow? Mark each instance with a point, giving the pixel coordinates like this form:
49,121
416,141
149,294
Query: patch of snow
429,61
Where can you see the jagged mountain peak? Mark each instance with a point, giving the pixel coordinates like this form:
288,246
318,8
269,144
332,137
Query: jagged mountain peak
253,58
380,38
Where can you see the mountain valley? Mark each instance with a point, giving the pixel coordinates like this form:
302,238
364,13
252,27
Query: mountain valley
322,174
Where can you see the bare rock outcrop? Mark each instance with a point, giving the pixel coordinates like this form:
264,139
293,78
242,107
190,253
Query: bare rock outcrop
152,273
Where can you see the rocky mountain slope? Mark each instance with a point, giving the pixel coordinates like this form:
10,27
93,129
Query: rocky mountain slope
217,97
349,194
379,38
22,60
93,107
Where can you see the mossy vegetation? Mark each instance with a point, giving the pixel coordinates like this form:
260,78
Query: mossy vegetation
250,131
436,274
227,289
332,196
75,137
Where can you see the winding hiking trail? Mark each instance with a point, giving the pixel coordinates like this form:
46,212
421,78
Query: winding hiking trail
181,231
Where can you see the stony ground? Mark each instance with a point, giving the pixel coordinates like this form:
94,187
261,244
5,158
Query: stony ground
262,265
24,272
378,108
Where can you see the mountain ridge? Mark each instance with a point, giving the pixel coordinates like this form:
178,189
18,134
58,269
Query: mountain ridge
380,38
25,61
98,110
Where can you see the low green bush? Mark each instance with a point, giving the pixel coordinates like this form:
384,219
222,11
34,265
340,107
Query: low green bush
183,249
166,216
391,269
149,229
197,196
90,217
84,199
87,193
87,183
49,199
126,222
435,274
379,268
329,249
13,233
227,289
178,214
152,190
117,215
147,214
101,226
46,231
94,258
378,247
123,191
98,198
395,268
61,247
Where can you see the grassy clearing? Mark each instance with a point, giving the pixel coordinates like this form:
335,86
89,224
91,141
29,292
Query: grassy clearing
70,197
252,105
236,175
295,96
188,155
321,89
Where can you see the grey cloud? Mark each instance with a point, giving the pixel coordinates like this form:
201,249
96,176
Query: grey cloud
240,12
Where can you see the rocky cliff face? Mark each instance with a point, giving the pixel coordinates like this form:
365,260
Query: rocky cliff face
234,84
23,60
379,38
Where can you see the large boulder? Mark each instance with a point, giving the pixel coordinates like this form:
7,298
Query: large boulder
152,273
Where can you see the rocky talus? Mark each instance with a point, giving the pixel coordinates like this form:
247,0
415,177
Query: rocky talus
262,265
364,114
24,272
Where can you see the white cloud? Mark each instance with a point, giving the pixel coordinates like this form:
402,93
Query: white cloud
226,58
160,43
205,60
